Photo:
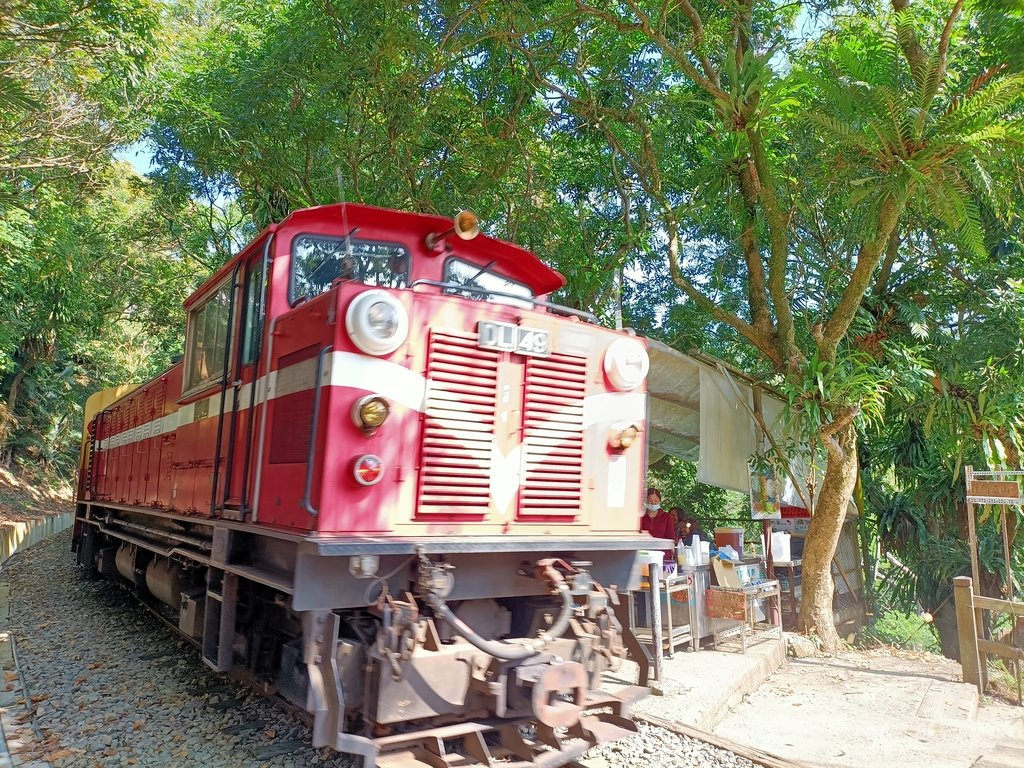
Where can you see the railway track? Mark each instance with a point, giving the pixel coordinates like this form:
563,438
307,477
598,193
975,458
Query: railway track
754,755
108,682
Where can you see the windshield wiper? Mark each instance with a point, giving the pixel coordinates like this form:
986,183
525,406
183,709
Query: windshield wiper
485,268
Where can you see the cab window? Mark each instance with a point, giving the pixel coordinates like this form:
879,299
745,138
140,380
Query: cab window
207,338
317,261
484,284
253,327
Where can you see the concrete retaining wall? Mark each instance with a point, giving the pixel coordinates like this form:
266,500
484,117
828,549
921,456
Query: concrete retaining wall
15,537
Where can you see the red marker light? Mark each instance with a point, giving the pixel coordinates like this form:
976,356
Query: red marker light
368,470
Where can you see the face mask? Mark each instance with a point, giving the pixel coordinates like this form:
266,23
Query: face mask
653,507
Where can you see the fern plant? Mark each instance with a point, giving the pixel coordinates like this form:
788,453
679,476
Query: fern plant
903,129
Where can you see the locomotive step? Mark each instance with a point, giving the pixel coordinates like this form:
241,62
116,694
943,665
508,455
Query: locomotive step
512,745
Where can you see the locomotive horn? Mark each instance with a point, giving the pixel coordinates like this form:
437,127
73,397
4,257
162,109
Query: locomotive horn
467,226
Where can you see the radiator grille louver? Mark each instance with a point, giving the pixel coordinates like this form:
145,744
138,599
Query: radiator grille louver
292,422
459,430
458,426
553,436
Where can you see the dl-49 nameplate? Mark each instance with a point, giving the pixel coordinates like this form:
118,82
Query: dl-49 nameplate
513,338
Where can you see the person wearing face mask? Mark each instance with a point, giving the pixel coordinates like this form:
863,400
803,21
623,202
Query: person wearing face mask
658,522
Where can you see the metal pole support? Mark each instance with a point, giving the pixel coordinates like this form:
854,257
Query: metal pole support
656,640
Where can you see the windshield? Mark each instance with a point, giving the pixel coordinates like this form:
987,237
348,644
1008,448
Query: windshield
318,260
485,284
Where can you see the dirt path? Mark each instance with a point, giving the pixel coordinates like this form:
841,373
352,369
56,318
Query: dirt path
872,708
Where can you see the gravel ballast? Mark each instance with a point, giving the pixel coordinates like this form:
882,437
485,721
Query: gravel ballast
655,747
112,686
107,684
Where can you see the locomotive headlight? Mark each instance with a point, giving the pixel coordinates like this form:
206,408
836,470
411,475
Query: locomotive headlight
382,319
377,322
370,412
626,363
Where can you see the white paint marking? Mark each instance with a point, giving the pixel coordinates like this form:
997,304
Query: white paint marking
341,369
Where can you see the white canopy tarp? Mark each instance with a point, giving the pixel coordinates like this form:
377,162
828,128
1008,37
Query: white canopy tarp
727,434
700,411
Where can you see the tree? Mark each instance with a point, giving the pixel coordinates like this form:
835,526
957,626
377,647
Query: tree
955,400
285,101
94,289
797,181
70,87
92,263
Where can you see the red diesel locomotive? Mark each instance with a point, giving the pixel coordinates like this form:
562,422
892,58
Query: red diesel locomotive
391,481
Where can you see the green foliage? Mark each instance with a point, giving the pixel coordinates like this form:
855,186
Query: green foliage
955,401
889,132
69,87
901,523
1000,31
902,630
826,387
94,294
277,99
677,480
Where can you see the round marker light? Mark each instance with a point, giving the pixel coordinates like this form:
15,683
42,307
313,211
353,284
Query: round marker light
370,412
377,322
626,363
368,470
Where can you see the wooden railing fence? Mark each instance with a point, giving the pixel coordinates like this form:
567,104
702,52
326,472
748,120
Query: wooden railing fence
974,647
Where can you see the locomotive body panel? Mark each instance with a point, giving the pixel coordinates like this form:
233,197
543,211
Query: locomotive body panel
478,441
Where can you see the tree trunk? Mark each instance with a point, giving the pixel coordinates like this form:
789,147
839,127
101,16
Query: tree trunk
823,537
12,396
7,420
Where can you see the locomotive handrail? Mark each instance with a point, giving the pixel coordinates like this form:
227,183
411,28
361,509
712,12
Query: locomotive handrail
307,499
558,308
255,372
228,350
